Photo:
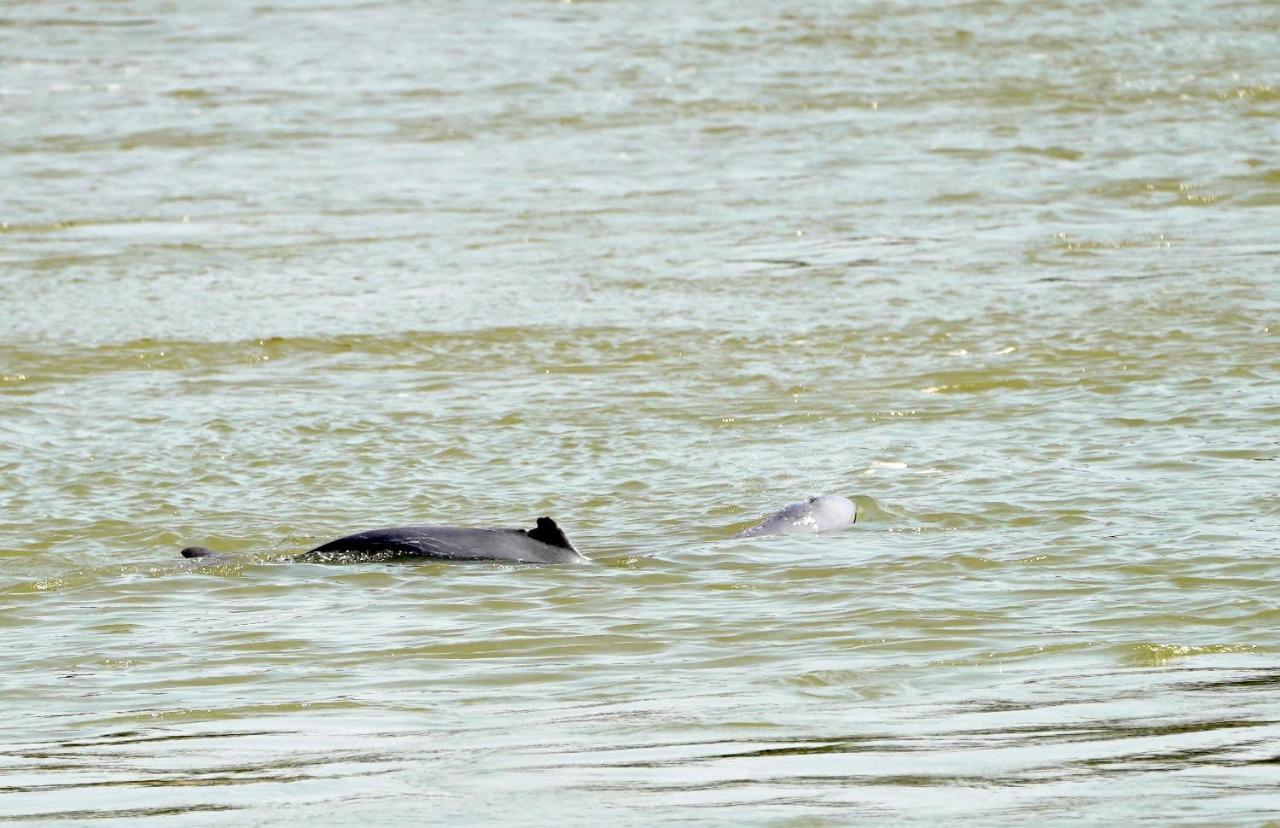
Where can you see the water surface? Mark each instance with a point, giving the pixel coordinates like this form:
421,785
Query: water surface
1005,273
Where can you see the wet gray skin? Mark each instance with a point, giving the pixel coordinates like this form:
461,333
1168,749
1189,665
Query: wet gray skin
545,543
825,513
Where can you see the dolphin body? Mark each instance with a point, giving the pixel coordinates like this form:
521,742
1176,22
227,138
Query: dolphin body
545,543
825,513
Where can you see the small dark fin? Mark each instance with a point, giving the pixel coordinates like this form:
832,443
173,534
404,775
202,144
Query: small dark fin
549,533
199,552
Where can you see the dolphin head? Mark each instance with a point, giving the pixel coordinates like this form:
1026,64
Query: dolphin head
832,512
824,513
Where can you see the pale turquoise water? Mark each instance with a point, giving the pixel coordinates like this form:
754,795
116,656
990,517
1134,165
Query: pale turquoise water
1006,273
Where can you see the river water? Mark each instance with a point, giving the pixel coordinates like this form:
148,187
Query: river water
1005,273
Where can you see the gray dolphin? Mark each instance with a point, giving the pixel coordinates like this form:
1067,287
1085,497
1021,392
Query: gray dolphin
824,513
545,543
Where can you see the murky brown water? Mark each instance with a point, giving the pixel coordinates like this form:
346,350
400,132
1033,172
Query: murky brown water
1006,273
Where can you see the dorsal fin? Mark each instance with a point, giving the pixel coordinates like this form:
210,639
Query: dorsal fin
199,552
549,533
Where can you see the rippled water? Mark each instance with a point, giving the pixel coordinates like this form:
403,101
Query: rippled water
1005,273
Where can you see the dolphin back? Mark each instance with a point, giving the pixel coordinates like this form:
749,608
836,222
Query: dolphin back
545,543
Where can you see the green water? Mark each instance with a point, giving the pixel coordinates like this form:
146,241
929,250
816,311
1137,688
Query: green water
1004,273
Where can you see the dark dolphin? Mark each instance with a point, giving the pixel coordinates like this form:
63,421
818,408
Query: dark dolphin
824,513
545,543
